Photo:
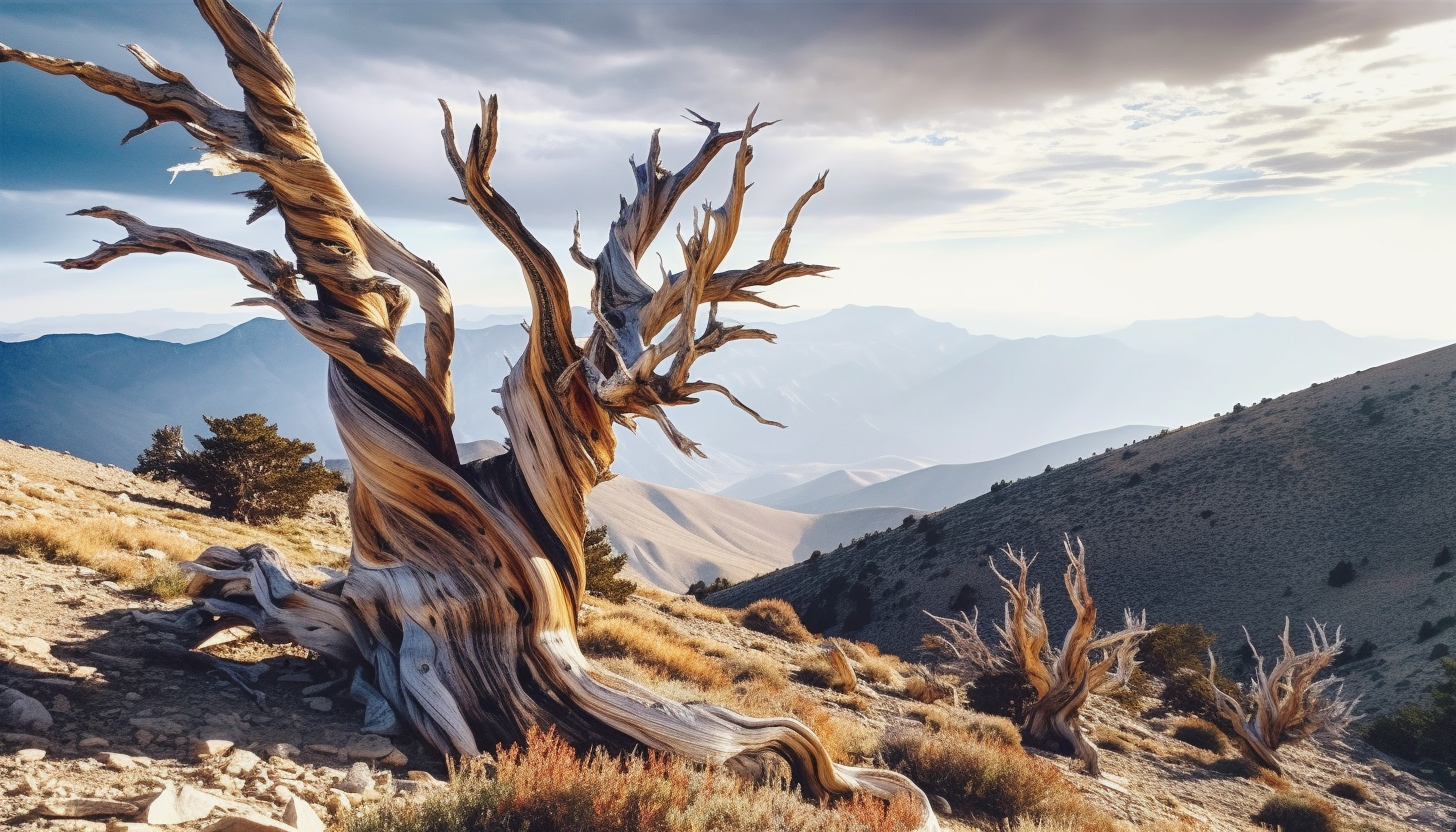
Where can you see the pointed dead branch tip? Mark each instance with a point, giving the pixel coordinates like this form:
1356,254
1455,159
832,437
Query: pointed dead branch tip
273,22
704,122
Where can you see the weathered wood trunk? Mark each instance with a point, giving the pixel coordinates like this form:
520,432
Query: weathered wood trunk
1062,680
459,610
1289,704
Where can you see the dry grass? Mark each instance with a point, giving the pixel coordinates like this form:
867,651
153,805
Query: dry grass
627,633
986,728
1200,733
992,780
548,788
775,617
1298,813
107,544
1352,790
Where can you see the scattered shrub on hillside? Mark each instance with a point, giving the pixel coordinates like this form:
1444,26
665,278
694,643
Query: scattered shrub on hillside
862,607
965,599
1002,693
1298,813
1343,573
1440,650
1352,790
157,460
602,566
1173,647
1190,692
776,617
699,590
1443,557
548,788
1421,731
1200,733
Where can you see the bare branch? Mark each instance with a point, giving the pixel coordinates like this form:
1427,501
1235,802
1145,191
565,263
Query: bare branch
1289,704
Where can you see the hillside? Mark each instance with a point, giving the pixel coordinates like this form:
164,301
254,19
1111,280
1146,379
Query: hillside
1233,522
673,537
146,732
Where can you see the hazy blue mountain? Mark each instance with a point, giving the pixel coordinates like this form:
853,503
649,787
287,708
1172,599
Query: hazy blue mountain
934,488
149,323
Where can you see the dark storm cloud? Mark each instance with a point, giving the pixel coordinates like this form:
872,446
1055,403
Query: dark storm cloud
825,67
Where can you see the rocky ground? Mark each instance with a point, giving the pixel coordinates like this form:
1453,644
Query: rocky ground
107,722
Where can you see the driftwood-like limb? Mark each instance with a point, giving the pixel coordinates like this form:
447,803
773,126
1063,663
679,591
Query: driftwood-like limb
1289,704
457,617
1062,678
844,679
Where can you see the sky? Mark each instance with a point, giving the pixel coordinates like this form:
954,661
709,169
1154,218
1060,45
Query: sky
1017,168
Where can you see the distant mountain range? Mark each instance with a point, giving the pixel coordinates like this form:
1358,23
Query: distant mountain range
939,486
857,384
1233,522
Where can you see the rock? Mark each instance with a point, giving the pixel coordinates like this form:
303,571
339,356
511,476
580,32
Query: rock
23,713
93,742
301,816
368,747
84,807
154,554
127,826
83,672
242,762
284,750
179,805
324,748
30,755
123,497
320,703
358,780
113,586
29,644
247,823
395,758
940,804
113,760
158,725
25,740
210,748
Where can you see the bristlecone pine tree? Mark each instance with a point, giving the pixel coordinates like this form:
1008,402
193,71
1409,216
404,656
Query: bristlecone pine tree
601,565
248,472
1061,679
459,610
1289,704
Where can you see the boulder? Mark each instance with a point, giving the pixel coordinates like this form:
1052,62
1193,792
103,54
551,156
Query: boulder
247,823
242,762
301,816
180,804
23,713
358,780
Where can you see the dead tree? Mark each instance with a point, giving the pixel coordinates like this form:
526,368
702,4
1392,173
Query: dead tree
1288,703
459,610
1061,679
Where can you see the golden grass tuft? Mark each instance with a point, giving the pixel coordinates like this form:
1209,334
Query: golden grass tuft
1298,813
1352,790
107,544
775,617
996,730
627,633
991,780
1200,733
549,788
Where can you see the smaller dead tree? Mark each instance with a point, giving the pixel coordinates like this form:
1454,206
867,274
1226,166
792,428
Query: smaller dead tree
1061,679
1288,703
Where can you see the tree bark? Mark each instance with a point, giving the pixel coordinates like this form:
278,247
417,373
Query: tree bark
1062,679
1289,704
458,613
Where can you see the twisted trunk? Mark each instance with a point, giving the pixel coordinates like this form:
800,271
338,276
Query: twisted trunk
1062,679
458,613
